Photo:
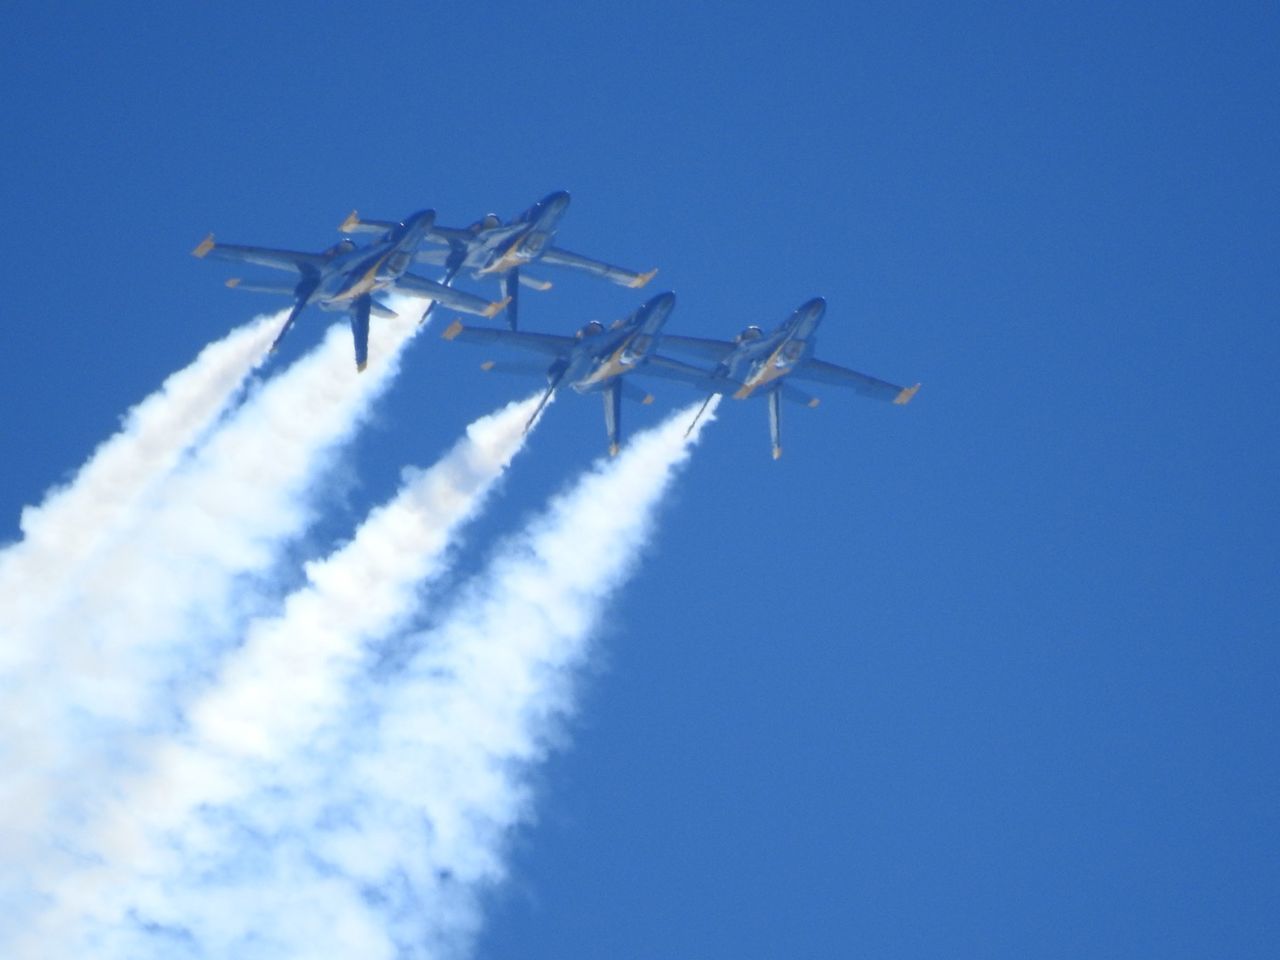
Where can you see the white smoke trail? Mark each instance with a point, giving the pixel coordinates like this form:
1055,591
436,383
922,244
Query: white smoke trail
294,671
76,517
379,839
150,613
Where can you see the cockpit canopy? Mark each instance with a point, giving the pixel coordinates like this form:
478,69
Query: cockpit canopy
591,329
750,334
487,222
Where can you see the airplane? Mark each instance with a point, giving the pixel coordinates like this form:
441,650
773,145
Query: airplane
765,363
594,360
345,277
490,247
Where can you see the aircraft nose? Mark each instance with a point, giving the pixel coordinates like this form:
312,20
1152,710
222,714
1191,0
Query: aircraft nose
660,306
556,202
423,219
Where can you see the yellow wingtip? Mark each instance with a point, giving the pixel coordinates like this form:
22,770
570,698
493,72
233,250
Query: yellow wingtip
815,401
648,399
777,453
613,449
904,397
644,278
453,330
349,224
487,366
204,247
233,282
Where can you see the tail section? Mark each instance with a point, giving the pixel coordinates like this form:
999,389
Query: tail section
360,330
613,416
511,294
775,422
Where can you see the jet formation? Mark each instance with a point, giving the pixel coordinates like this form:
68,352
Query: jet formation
596,359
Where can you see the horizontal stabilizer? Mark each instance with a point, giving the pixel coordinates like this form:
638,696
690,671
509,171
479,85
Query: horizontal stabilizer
631,392
353,224
288,289
495,308
514,367
533,283
794,395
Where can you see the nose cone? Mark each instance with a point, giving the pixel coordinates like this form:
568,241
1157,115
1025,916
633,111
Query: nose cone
555,203
655,312
422,220
812,310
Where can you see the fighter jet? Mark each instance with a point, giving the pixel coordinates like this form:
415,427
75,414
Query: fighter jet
594,360
758,362
345,278
490,247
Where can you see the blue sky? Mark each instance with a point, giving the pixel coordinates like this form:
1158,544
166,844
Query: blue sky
991,675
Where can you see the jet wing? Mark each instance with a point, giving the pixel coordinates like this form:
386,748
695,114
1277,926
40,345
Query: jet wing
659,366
416,286
619,275
823,372
450,235
547,343
436,256
716,350
263,256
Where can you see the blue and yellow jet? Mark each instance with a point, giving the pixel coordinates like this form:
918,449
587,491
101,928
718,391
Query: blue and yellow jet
490,247
346,277
756,362
594,360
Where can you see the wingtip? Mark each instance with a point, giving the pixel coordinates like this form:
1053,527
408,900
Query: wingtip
814,401
613,449
648,399
496,307
777,453
233,282
349,224
453,330
203,247
487,366
644,278
904,397
360,367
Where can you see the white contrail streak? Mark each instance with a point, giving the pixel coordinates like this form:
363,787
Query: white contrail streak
378,838
76,517
146,618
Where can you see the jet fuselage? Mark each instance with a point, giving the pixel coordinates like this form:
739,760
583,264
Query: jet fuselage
372,268
602,355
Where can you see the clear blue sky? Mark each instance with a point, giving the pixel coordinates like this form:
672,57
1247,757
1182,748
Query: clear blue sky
991,676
